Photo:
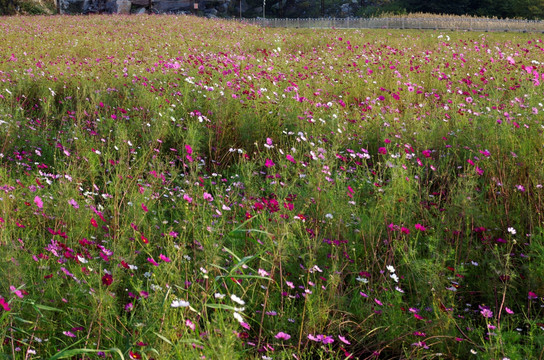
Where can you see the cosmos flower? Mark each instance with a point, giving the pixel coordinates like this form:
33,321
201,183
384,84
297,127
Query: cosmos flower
179,303
282,336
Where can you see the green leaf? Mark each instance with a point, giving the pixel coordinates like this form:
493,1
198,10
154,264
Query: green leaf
220,306
163,338
242,262
45,307
242,277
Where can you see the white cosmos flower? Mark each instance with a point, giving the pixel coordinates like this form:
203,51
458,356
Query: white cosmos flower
236,299
179,303
238,317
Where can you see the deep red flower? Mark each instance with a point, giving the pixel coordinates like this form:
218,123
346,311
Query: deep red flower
107,279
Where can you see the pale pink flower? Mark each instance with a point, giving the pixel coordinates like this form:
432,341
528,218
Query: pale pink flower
16,291
73,203
191,325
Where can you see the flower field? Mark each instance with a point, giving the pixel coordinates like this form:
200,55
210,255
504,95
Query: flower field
182,188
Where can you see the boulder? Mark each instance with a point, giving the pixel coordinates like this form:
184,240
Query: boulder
222,8
211,12
87,6
344,10
138,10
73,6
144,3
123,7
109,7
172,6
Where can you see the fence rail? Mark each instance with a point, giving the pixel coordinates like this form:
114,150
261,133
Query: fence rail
469,24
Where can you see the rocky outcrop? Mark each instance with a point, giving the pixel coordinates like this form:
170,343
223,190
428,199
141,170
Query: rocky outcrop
210,8
206,7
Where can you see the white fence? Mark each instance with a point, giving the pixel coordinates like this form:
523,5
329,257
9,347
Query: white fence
438,23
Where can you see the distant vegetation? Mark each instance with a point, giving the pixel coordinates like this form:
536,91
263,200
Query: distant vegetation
527,9
27,7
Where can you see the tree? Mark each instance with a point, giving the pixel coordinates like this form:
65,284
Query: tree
7,7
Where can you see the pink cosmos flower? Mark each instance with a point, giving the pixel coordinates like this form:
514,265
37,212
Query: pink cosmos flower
73,203
69,334
187,198
4,304
382,150
378,302
38,201
191,325
420,227
16,291
189,149
263,272
150,259
508,310
144,208
282,336
291,159
208,196
486,313
269,163
313,338
344,340
164,258
325,339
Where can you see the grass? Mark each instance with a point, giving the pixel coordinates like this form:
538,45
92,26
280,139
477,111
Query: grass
175,187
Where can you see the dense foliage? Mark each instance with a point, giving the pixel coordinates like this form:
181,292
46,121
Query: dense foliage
181,188
527,9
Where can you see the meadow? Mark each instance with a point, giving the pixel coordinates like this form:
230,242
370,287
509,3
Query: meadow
182,188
